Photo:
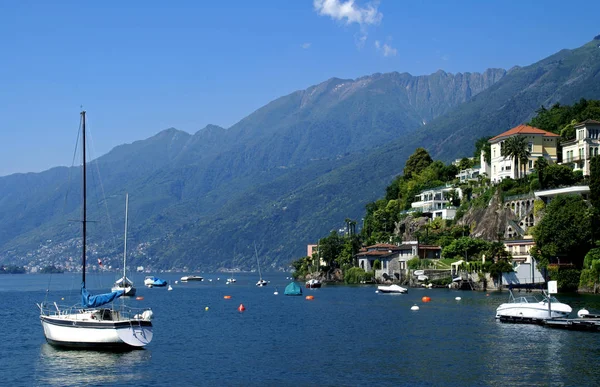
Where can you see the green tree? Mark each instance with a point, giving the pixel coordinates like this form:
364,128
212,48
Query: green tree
465,248
564,233
465,163
595,195
516,148
483,144
557,175
416,163
540,166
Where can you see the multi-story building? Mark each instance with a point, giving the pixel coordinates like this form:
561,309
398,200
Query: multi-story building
583,147
540,144
435,202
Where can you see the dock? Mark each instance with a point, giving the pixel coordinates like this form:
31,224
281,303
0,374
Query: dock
588,322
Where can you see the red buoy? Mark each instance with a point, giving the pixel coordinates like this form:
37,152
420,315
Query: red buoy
241,308
426,299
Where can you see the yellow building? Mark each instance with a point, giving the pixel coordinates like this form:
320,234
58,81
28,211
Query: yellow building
540,142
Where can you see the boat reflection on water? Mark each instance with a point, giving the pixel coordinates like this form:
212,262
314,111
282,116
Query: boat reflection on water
72,367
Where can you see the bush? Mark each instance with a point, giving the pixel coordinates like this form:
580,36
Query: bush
355,275
567,279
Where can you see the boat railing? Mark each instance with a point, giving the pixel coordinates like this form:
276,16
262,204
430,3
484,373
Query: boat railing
123,312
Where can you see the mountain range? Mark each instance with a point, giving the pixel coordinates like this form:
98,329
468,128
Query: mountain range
282,177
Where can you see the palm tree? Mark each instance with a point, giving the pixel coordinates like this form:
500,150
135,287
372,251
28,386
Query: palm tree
517,149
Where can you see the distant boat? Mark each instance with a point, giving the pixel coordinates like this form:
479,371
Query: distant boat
151,281
261,282
124,283
97,323
293,289
192,278
313,284
392,289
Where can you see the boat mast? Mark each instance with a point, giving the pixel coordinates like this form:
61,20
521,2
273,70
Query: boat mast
257,262
125,244
84,196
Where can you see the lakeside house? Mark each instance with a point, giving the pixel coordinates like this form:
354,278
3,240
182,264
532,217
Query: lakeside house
394,258
540,144
578,152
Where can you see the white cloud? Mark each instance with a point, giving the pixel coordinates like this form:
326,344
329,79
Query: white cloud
385,49
349,11
306,45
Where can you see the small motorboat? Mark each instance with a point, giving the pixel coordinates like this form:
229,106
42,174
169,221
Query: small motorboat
532,307
392,289
152,281
313,284
192,278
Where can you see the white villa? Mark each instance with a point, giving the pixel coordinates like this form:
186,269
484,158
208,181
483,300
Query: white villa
435,202
580,150
541,144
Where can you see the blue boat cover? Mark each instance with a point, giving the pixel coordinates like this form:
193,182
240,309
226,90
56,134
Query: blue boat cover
293,290
89,301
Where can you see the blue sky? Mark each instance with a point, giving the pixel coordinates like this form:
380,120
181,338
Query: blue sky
139,67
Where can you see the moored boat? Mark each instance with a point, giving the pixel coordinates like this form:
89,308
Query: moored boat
124,283
313,284
151,281
97,322
293,289
392,289
192,278
532,307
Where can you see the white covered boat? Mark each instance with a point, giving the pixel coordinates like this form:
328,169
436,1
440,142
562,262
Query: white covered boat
532,307
192,278
392,289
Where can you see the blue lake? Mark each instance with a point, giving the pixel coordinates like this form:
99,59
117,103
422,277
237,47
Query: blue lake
346,336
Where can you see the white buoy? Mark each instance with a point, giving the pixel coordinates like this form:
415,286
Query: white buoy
170,287
376,291
458,298
414,307
582,313
275,292
176,282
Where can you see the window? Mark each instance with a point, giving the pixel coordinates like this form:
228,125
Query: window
530,147
530,164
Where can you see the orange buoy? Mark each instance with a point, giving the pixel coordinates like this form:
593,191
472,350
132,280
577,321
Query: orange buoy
139,298
426,299
227,297
241,308
310,297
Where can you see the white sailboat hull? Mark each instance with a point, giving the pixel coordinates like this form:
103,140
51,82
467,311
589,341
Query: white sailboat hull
127,291
81,331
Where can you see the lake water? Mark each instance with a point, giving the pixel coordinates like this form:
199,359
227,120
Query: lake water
346,336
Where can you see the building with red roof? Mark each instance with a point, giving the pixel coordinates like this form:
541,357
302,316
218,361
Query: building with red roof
540,144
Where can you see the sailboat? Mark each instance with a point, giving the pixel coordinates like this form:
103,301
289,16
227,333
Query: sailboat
231,280
97,322
261,281
124,283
